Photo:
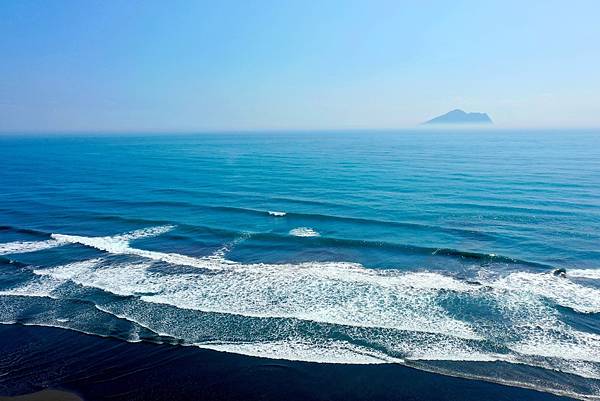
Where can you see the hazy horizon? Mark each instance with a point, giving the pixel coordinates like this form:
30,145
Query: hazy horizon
233,66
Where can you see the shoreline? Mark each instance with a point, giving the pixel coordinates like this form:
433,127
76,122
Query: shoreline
36,358
44,395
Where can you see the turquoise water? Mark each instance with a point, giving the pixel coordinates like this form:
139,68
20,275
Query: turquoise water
431,249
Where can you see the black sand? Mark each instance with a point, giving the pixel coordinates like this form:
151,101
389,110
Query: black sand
37,358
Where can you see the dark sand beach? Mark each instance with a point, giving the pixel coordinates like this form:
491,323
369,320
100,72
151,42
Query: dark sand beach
94,368
44,395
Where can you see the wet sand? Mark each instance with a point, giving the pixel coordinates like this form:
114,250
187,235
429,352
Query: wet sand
36,358
45,395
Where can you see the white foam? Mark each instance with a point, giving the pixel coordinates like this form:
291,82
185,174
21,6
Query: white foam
560,290
340,352
423,352
413,347
35,287
108,244
130,319
218,257
350,295
593,274
571,344
144,233
388,345
536,333
249,281
114,242
539,329
321,292
276,214
119,245
409,307
88,273
304,232
27,246
338,293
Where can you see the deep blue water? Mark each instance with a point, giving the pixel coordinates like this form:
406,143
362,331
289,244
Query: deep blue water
431,249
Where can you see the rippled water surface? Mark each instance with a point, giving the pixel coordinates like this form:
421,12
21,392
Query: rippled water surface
431,249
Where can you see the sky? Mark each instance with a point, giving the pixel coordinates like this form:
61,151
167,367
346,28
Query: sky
252,65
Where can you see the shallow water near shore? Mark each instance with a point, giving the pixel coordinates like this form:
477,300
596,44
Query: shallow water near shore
96,369
434,250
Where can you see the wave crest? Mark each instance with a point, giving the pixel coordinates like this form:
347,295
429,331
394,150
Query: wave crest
304,232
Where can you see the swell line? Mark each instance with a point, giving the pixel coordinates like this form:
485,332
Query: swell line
119,241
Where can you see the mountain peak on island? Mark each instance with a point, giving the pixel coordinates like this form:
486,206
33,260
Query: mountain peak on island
459,116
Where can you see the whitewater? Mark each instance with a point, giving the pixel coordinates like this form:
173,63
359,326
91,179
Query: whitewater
390,316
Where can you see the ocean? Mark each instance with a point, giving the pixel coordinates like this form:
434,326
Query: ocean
473,254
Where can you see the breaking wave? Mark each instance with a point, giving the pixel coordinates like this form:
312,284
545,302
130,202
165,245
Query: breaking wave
276,214
27,246
338,312
304,232
593,274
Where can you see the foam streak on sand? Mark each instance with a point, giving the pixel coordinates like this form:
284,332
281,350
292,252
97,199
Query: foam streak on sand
327,352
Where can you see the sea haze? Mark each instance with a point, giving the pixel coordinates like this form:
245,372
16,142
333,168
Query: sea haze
431,249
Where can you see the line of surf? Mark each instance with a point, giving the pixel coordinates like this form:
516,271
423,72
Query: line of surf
348,294
118,246
17,247
359,220
453,353
593,274
120,241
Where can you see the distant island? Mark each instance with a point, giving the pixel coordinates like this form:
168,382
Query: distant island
460,117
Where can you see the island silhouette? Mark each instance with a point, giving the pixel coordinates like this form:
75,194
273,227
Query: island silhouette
459,116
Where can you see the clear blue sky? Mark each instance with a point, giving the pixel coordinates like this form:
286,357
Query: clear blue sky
220,65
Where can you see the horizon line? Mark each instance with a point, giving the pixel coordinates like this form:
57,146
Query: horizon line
420,127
